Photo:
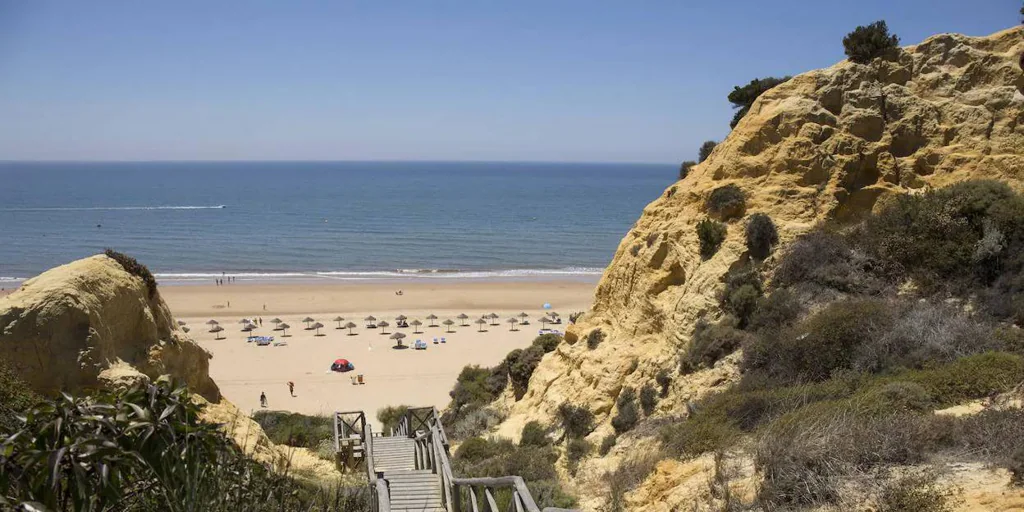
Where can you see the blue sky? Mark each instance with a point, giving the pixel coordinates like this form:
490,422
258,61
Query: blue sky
555,80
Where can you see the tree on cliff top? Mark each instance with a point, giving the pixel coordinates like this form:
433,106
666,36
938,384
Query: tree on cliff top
866,43
743,97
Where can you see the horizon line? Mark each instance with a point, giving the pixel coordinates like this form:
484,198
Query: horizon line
159,161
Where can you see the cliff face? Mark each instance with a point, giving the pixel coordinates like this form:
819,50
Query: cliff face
831,143
90,320
90,324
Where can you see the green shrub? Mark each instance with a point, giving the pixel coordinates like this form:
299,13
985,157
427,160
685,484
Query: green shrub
594,338
133,267
742,292
867,43
15,399
390,416
904,396
684,168
144,448
575,451
726,202
824,343
761,235
705,150
549,342
628,415
710,234
294,429
917,492
968,378
476,449
743,97
826,258
664,380
607,443
477,457
534,434
648,399
709,344
577,421
780,309
697,435
522,369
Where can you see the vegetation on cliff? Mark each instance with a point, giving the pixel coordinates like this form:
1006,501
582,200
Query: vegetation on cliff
143,449
849,388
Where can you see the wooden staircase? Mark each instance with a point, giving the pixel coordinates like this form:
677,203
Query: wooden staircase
410,469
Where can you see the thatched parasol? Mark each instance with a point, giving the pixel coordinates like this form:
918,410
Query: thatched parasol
339,320
480,322
350,326
217,329
308,320
186,328
317,326
398,336
383,326
400,318
284,328
462,318
512,323
494,318
416,326
181,322
448,325
432,317
544,320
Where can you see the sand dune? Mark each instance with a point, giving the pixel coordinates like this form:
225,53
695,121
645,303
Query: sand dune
392,376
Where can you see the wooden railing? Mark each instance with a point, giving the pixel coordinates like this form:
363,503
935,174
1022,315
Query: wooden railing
423,425
346,426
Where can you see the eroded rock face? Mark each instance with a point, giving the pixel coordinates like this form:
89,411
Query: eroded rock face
80,325
828,144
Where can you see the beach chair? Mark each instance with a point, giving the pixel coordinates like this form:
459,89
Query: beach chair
443,340
435,341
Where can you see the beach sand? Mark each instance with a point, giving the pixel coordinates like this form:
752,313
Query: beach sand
392,376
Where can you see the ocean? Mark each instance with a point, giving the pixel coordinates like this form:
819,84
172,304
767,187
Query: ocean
192,221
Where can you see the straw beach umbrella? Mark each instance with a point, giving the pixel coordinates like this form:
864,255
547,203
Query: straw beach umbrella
284,329
213,324
448,325
512,323
277,323
370,320
523,318
398,337
544,320
462,319
383,327
480,322
217,330
416,326
350,326
317,326
401,318
339,320
494,318
308,320
181,322
433,320
186,328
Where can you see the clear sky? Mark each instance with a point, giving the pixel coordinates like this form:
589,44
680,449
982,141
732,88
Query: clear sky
547,80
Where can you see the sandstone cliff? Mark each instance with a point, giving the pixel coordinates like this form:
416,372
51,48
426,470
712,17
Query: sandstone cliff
828,144
90,324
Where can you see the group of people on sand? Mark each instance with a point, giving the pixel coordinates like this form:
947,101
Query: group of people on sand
263,394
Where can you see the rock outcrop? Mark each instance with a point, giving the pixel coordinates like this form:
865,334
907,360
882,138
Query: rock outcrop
76,325
833,144
90,324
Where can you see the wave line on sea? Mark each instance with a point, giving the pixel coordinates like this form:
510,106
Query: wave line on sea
112,208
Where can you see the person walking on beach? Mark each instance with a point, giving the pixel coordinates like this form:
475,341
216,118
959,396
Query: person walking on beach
263,399
291,388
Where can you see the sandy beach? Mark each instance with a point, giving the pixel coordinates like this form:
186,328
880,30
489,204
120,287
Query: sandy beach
392,376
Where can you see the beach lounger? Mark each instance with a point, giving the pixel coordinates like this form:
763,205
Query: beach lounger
435,341
443,340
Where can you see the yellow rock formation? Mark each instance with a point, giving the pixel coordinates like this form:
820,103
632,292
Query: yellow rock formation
828,144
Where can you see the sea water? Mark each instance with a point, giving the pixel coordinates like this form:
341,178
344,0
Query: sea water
193,221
